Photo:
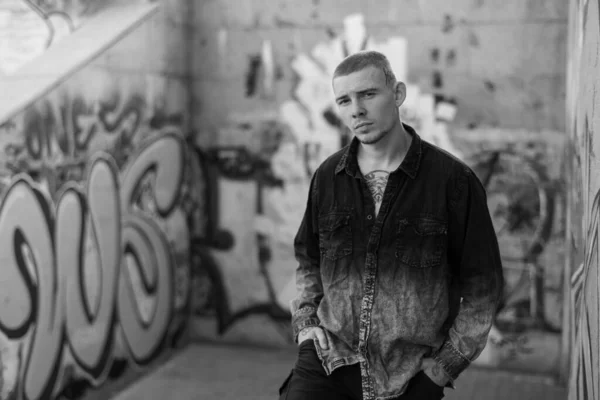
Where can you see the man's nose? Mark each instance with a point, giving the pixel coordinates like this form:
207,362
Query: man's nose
358,110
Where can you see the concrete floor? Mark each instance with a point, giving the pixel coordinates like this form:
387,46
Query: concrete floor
210,371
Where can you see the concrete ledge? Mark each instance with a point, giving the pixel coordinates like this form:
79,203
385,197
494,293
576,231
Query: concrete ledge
60,61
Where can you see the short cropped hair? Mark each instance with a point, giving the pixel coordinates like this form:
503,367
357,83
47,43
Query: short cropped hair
363,59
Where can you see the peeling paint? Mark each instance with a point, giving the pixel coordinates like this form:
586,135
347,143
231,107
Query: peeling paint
437,81
435,55
473,39
451,58
331,33
448,24
283,23
268,65
489,85
356,33
254,64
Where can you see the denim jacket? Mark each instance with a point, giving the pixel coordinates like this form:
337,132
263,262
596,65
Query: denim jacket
421,279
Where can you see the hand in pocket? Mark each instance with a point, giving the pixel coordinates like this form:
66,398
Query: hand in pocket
313,332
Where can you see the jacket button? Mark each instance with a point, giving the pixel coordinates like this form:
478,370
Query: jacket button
369,217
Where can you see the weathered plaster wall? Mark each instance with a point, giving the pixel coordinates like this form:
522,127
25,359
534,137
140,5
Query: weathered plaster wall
98,205
583,173
502,60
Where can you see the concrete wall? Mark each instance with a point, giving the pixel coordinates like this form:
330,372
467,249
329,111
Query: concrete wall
96,218
483,75
502,60
582,166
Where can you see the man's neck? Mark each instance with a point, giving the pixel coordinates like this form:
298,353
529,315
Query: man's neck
387,154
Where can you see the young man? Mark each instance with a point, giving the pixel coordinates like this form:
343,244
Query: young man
399,270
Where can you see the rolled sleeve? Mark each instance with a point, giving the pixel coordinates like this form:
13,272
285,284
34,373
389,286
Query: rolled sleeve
308,275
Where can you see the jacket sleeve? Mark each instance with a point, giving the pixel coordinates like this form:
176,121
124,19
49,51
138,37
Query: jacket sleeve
474,257
308,275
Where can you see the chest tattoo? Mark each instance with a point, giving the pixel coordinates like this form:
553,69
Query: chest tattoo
377,181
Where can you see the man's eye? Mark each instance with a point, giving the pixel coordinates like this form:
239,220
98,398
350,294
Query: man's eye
342,102
369,94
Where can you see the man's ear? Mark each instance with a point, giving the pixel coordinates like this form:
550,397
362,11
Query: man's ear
400,93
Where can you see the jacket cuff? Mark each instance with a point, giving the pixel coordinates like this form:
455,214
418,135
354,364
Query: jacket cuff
304,318
452,361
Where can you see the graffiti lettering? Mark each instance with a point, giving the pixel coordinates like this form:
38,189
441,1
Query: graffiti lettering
146,247
89,324
48,252
68,129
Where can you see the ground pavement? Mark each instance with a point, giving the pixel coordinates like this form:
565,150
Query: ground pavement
228,372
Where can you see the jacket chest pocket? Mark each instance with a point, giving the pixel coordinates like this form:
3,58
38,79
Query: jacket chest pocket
335,235
421,242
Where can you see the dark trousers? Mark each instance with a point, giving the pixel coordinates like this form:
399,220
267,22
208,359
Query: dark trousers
308,381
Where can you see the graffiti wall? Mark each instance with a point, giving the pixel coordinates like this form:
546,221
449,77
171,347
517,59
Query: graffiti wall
97,209
582,166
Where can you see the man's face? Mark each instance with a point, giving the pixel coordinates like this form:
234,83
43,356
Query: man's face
367,105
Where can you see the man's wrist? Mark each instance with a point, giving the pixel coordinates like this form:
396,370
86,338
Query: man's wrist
435,372
305,330
438,380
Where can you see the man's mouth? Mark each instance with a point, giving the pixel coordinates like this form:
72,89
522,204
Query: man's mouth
362,124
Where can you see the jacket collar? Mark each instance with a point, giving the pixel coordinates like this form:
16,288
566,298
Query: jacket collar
410,164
